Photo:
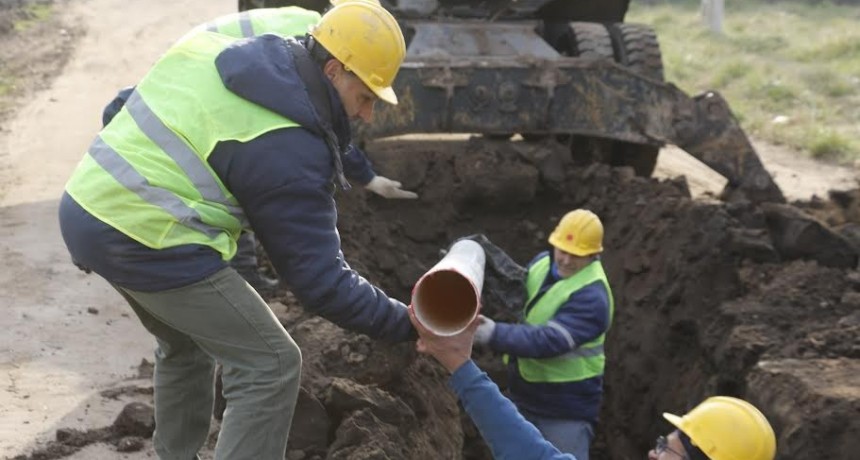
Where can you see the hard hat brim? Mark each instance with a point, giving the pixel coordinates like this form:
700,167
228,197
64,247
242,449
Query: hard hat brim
386,94
674,420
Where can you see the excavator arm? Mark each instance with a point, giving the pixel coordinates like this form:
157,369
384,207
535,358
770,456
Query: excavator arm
471,76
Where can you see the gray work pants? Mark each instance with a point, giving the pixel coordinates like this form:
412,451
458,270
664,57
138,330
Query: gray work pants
219,318
569,436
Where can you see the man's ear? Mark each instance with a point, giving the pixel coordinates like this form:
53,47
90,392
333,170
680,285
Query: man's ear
332,68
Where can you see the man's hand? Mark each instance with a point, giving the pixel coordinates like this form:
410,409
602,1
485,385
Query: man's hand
452,352
388,188
485,330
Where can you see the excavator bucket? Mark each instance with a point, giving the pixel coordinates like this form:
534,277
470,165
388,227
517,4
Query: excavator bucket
707,129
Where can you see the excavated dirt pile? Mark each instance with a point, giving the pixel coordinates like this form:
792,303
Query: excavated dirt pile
760,302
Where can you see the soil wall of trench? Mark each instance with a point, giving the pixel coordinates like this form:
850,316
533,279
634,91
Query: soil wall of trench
758,302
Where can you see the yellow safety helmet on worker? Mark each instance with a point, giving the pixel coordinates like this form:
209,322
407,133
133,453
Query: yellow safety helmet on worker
726,428
579,232
367,40
338,2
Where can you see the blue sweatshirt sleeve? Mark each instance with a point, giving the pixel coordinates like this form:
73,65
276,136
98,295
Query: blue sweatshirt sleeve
116,105
356,166
507,433
581,319
287,197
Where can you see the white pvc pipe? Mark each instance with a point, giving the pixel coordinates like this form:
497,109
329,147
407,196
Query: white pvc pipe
447,298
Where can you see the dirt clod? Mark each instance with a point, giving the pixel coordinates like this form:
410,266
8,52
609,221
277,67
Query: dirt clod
136,419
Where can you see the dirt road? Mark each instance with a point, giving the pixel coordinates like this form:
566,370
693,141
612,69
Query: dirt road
67,335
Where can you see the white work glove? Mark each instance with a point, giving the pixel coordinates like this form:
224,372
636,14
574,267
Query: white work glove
388,188
485,329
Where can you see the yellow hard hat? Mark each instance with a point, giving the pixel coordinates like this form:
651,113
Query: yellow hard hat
727,428
579,233
367,40
338,2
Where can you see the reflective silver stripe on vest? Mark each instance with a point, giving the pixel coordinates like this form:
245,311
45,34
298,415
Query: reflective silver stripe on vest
583,353
245,24
179,151
555,325
125,174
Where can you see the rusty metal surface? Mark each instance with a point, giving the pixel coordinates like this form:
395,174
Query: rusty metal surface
475,77
706,128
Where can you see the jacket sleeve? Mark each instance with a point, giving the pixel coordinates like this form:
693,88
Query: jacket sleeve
581,319
356,166
287,197
116,105
507,433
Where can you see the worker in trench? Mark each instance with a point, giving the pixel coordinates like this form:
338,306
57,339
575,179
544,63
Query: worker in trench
719,428
555,359
288,21
218,137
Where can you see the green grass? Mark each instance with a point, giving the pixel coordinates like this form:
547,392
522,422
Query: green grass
799,61
34,14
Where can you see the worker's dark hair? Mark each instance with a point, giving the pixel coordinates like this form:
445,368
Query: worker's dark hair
693,452
318,53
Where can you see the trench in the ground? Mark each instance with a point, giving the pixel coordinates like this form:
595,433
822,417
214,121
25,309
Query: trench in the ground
680,270
660,255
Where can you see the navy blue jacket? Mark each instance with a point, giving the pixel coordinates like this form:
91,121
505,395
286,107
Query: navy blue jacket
284,182
580,320
507,433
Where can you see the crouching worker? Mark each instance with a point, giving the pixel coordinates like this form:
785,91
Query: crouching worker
720,428
555,358
221,136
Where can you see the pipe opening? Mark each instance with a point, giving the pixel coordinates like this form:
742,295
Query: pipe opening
445,302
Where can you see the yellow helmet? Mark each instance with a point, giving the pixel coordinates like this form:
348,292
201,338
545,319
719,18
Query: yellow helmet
726,428
367,40
338,2
579,233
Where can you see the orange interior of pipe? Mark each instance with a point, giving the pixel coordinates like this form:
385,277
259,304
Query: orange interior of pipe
447,301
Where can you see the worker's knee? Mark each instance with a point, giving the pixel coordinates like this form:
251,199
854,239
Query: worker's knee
289,359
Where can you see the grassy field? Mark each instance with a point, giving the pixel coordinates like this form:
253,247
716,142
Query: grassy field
790,70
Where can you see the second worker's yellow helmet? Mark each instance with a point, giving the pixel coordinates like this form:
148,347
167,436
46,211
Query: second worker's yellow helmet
367,40
579,232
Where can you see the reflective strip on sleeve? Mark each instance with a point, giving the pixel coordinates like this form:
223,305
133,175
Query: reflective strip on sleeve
583,353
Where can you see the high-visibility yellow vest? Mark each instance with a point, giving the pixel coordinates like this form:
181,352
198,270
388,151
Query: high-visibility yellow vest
287,21
146,174
585,361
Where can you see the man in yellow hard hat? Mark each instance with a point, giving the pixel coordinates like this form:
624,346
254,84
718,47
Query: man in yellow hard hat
221,136
312,5
720,428
555,358
288,21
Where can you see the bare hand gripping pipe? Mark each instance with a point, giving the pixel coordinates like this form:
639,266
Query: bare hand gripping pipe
447,298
